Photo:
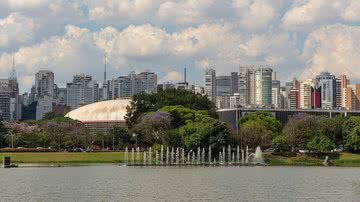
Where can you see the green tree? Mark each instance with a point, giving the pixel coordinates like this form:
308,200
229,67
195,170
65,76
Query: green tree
255,133
121,136
207,132
3,133
332,128
300,129
143,103
280,143
352,142
320,143
266,119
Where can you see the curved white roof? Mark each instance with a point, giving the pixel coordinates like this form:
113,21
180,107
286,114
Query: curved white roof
111,110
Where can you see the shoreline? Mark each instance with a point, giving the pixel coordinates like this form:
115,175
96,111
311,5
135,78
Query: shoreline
68,159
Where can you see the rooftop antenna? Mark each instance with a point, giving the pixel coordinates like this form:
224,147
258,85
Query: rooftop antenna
13,71
185,75
105,67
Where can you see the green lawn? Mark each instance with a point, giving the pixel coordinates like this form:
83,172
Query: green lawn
66,157
343,159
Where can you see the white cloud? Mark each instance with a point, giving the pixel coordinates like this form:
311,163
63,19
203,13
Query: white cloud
352,11
172,76
333,48
16,30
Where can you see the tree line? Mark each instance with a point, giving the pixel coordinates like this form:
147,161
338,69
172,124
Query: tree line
302,131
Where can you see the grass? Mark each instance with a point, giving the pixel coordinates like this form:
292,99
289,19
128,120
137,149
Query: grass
342,159
66,157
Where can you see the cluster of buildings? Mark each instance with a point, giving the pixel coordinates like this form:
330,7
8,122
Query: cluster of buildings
252,86
258,87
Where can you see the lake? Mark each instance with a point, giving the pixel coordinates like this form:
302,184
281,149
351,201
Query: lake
120,183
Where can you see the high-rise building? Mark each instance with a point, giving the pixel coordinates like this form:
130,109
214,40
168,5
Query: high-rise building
263,86
275,92
210,84
127,86
44,105
348,99
82,91
255,85
294,102
223,86
223,102
5,113
306,93
234,83
341,83
243,86
44,84
327,85
235,101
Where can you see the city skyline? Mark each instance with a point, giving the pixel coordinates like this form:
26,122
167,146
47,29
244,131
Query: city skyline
166,36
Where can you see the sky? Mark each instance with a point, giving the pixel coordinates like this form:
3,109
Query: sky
297,38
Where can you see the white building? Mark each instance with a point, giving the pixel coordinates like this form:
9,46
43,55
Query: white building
235,101
305,94
210,84
44,84
82,91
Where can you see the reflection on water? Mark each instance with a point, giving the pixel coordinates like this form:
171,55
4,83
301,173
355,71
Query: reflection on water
116,183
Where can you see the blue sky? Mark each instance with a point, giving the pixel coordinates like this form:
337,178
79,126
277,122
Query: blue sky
298,38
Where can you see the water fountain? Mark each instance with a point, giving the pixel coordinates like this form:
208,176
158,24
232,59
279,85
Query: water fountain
209,155
150,156
193,158
182,155
242,157
198,155
132,156
229,154
326,161
144,158
238,154
247,155
126,156
177,156
257,157
203,156
156,157
188,158
137,154
223,156
167,156
162,155
172,156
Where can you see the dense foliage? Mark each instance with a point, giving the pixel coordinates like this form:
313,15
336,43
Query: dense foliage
179,126
258,129
59,133
143,103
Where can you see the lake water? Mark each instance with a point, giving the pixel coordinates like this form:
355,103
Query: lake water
117,183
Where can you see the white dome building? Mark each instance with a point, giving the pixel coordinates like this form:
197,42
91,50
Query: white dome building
100,117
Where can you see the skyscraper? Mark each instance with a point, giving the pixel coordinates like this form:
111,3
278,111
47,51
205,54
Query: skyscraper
210,84
263,86
306,92
327,84
44,84
83,90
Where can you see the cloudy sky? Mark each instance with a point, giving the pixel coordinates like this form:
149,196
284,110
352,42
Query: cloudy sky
298,38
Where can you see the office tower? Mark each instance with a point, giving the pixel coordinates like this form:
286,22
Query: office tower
15,98
263,86
210,84
284,98
148,82
243,86
5,113
306,94
82,91
44,84
223,85
348,100
275,91
294,102
327,85
234,83
341,83
356,90
127,86
235,101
